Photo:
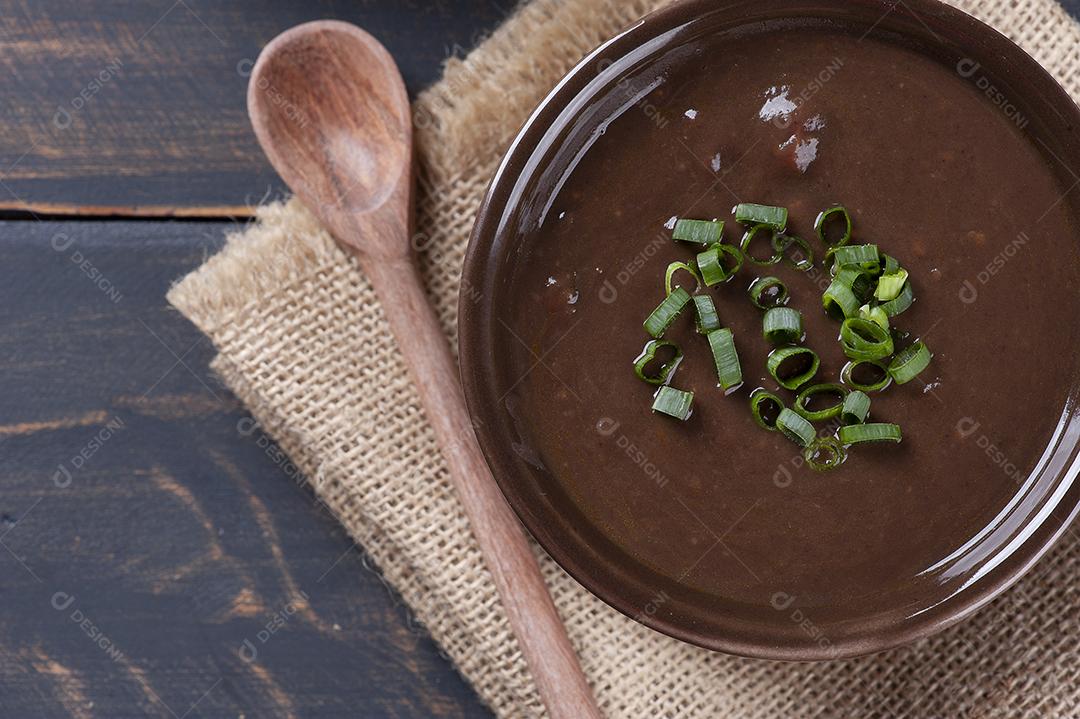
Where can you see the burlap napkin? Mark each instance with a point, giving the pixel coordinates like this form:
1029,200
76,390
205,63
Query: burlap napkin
304,344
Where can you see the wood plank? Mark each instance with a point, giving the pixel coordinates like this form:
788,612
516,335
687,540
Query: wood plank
115,107
149,534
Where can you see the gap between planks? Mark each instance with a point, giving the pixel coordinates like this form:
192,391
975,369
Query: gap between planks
55,211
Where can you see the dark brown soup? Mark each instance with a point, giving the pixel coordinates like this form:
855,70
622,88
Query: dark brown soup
935,172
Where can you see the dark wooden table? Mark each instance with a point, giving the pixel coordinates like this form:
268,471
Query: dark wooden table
151,543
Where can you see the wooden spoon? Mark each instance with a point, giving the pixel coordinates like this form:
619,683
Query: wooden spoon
331,112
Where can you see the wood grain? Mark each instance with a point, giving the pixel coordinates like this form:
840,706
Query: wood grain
149,531
113,107
136,488
344,145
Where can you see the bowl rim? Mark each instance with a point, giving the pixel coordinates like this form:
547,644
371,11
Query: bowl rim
474,338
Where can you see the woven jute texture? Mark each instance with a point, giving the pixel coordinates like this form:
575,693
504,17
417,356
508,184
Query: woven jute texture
303,342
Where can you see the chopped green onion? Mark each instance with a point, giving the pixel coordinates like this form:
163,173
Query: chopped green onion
904,300
648,354
766,292
751,214
795,428
863,257
847,375
865,340
707,319
701,232
711,264
860,281
890,265
748,237
825,217
674,402
875,314
839,299
850,276
792,367
909,362
856,406
728,371
766,407
782,325
662,317
675,267
889,285
802,261
873,432
824,453
818,415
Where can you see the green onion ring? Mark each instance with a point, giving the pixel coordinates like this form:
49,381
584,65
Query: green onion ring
648,354
873,432
890,284
726,359
764,289
781,243
700,232
834,451
865,340
711,264
673,402
890,265
778,356
768,215
748,238
863,257
856,407
666,312
822,414
848,372
795,428
909,362
839,299
782,325
904,300
875,314
860,282
824,216
707,320
760,397
675,267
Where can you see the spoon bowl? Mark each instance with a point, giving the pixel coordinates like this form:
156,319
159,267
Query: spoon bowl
331,94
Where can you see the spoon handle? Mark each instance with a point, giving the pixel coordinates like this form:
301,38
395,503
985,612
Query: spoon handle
509,558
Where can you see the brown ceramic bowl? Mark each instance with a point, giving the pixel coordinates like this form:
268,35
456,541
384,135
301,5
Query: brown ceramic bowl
775,625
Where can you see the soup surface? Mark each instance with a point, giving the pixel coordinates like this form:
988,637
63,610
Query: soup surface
935,173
